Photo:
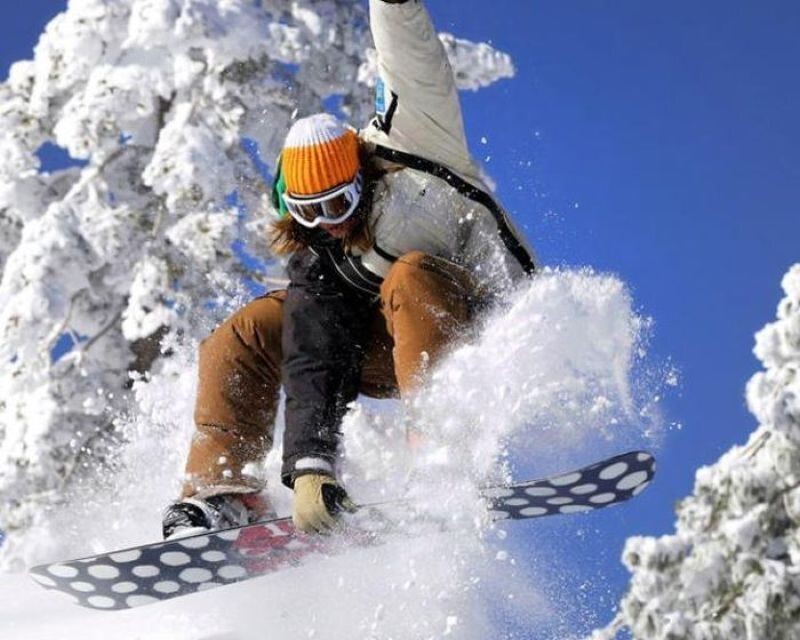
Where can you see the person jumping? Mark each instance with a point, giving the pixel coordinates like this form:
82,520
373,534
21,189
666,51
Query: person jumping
395,244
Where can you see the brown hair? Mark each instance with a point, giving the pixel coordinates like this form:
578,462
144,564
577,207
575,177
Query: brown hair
286,236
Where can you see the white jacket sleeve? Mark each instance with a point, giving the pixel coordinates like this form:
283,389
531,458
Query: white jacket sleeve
417,106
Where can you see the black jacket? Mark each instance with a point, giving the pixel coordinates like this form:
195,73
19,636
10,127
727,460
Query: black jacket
325,324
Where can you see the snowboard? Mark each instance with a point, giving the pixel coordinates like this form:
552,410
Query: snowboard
165,570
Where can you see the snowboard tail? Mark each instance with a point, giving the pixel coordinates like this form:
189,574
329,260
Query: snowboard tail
165,570
603,484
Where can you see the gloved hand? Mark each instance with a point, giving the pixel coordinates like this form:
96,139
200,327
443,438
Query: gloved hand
318,500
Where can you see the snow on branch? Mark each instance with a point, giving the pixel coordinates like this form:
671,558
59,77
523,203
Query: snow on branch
147,236
731,568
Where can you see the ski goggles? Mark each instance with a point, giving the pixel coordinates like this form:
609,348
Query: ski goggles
332,207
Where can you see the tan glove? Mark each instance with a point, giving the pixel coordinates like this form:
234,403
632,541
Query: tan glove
318,500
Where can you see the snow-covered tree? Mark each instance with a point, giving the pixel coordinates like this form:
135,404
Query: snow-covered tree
161,104
732,568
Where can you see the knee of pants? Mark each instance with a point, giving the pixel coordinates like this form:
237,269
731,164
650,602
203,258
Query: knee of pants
407,265
408,268
239,370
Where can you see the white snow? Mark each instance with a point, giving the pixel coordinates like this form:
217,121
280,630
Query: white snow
732,567
156,96
518,384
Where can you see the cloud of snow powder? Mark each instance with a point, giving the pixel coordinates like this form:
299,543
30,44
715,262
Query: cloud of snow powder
544,386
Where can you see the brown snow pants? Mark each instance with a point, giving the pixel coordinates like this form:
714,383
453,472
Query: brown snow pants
425,303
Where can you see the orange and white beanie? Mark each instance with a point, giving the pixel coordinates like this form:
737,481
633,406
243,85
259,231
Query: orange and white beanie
320,153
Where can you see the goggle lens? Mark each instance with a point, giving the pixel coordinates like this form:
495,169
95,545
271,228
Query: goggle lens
331,209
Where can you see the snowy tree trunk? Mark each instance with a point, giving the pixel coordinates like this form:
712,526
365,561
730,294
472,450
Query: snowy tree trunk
732,568
160,103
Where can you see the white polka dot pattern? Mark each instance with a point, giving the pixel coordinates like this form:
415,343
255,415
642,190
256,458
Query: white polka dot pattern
126,556
540,492
167,586
103,571
213,556
606,483
101,602
613,471
583,489
632,481
124,587
62,571
562,481
135,577
532,512
175,558
194,543
231,572
195,575
138,601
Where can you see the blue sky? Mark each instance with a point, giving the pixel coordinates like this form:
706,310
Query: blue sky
673,127
665,147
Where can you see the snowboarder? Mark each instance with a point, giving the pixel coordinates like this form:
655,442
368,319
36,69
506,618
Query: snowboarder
395,244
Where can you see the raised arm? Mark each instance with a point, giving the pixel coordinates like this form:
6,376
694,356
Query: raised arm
417,104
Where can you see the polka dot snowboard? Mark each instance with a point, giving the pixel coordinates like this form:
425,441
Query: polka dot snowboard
165,570
600,485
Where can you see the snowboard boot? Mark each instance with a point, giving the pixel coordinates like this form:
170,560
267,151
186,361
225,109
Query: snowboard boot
193,516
